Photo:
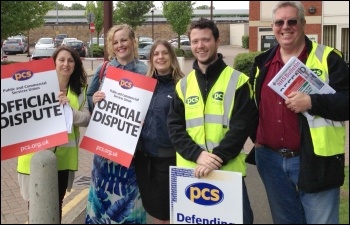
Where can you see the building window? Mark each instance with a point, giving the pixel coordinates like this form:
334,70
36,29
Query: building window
330,35
345,43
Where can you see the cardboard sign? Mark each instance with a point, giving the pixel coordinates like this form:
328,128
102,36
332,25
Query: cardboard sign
31,117
116,121
214,199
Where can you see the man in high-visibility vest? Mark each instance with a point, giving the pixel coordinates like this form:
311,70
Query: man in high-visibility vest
209,119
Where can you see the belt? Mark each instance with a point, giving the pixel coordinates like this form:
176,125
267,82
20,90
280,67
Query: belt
287,153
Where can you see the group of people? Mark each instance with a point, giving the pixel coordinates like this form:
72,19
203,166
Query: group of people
300,162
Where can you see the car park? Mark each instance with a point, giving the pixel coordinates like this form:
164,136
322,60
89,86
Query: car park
59,38
144,49
185,45
45,43
144,39
3,56
64,42
101,42
43,53
15,45
78,46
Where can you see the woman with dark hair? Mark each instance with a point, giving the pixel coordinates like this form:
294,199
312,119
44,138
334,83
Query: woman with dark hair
156,152
73,84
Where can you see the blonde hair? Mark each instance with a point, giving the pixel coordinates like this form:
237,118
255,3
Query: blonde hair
177,74
110,36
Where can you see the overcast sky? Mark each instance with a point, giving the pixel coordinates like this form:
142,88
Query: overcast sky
216,4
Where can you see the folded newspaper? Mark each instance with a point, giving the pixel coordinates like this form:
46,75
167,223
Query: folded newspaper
295,76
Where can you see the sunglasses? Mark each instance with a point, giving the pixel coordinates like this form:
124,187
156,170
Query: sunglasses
280,23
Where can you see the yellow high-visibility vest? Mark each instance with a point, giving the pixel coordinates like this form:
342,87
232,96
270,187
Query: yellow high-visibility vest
208,123
67,154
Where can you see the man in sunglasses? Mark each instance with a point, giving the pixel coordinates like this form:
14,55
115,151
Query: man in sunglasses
300,161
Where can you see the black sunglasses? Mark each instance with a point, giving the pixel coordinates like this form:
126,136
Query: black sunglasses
280,23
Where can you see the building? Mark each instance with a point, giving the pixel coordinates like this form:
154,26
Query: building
327,22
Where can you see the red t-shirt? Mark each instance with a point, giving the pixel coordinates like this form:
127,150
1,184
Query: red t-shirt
278,126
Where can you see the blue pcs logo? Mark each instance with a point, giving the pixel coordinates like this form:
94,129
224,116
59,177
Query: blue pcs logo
126,84
204,194
22,75
192,100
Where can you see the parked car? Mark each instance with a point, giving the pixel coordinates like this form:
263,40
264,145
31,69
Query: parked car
144,39
44,53
78,46
185,45
45,43
144,50
59,38
101,42
15,45
64,42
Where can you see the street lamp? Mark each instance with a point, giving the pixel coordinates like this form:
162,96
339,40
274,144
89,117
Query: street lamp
152,11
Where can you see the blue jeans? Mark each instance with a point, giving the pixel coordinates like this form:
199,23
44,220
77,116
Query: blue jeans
289,205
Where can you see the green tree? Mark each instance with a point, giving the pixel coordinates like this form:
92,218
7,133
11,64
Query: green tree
178,15
20,16
77,6
204,7
131,12
97,11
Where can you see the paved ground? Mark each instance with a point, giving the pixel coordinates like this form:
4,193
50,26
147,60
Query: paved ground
14,209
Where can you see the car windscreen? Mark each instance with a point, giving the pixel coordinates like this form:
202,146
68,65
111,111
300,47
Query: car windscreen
13,41
75,44
43,52
45,41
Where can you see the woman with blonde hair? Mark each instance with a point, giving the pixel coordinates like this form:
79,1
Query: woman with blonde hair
155,151
114,194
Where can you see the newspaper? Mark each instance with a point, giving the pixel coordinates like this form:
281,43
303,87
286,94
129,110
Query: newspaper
295,76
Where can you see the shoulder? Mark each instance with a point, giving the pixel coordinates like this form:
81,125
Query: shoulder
141,67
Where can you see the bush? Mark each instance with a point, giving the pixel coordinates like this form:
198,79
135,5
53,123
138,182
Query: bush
245,41
244,61
180,53
98,51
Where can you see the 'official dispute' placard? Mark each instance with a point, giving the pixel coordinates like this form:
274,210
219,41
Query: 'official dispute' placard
116,121
31,117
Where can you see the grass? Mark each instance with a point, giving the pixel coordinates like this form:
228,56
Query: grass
344,199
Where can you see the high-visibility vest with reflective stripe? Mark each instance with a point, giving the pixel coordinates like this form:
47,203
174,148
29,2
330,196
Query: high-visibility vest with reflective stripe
67,154
328,136
207,123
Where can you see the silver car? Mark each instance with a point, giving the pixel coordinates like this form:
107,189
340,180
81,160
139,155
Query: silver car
15,45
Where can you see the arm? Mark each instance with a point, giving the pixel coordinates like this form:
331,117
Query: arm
81,117
241,125
334,106
180,139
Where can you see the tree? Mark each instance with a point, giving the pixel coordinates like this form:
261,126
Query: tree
77,6
20,16
204,7
131,12
178,15
97,11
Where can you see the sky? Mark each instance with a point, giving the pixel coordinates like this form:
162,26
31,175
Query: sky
216,4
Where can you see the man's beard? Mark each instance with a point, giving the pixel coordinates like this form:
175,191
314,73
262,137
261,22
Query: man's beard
210,60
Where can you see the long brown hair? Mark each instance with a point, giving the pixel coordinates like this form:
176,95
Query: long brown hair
177,74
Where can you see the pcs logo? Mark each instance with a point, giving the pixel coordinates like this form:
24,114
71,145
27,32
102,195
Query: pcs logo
318,72
204,194
126,84
22,75
192,100
218,96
